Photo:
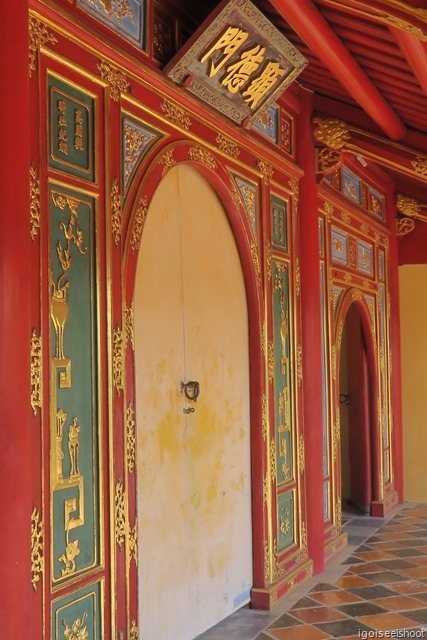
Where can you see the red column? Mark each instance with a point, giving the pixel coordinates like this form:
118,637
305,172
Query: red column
394,339
15,327
311,335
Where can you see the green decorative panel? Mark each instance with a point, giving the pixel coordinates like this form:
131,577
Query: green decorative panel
285,521
279,223
71,129
282,372
79,616
74,384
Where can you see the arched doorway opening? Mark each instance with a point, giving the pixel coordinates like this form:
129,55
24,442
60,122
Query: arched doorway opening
193,464
355,402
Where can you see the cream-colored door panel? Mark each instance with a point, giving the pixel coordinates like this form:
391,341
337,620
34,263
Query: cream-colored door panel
194,496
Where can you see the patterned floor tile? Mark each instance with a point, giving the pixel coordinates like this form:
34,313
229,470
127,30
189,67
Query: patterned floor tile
321,614
409,586
343,628
369,593
387,621
305,632
346,582
362,608
416,573
399,603
337,597
304,602
418,615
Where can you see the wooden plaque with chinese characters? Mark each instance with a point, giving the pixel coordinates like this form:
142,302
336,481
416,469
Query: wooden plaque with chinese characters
237,62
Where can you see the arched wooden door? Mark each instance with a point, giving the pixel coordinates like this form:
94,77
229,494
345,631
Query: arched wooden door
194,493
355,415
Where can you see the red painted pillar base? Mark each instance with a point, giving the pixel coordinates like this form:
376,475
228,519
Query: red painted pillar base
266,598
380,508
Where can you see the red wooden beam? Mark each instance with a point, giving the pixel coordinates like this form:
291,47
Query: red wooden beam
415,52
306,20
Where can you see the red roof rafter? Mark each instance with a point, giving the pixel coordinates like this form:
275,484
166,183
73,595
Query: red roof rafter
305,19
415,52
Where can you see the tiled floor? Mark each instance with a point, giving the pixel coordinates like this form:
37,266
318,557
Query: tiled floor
379,583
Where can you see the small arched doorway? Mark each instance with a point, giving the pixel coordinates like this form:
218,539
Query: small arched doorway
355,402
194,489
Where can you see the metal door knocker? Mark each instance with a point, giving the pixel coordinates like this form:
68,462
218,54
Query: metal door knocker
191,390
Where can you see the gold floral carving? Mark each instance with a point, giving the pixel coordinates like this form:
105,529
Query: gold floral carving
116,212
227,146
327,159
198,154
266,171
134,632
356,294
130,438
303,553
34,203
119,516
299,364
128,321
267,577
268,259
36,372
248,196
329,209
236,195
264,417
167,160
134,143
138,223
348,277
37,561
39,36
410,207
364,229
273,464
336,435
115,78
118,8
78,630
338,512
404,226
331,132
118,360
334,362
345,217
255,261
420,165
297,278
270,361
301,453
133,544
176,115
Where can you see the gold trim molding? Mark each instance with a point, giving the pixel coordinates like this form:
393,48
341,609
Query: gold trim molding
133,544
39,36
266,170
36,372
134,631
115,79
37,550
167,160
116,212
34,202
255,261
128,321
176,115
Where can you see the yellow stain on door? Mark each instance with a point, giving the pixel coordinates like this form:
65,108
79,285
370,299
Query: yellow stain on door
194,496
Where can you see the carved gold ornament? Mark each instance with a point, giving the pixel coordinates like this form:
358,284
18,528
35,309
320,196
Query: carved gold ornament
133,544
270,361
176,115
227,146
77,631
420,165
36,372
135,141
34,203
264,417
301,453
39,36
331,132
268,260
119,515
273,463
167,160
118,359
115,8
115,79
303,553
37,561
116,212
336,435
327,160
138,224
404,226
255,262
130,438
266,171
338,512
134,632
128,321
266,489
299,364
297,278
199,154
